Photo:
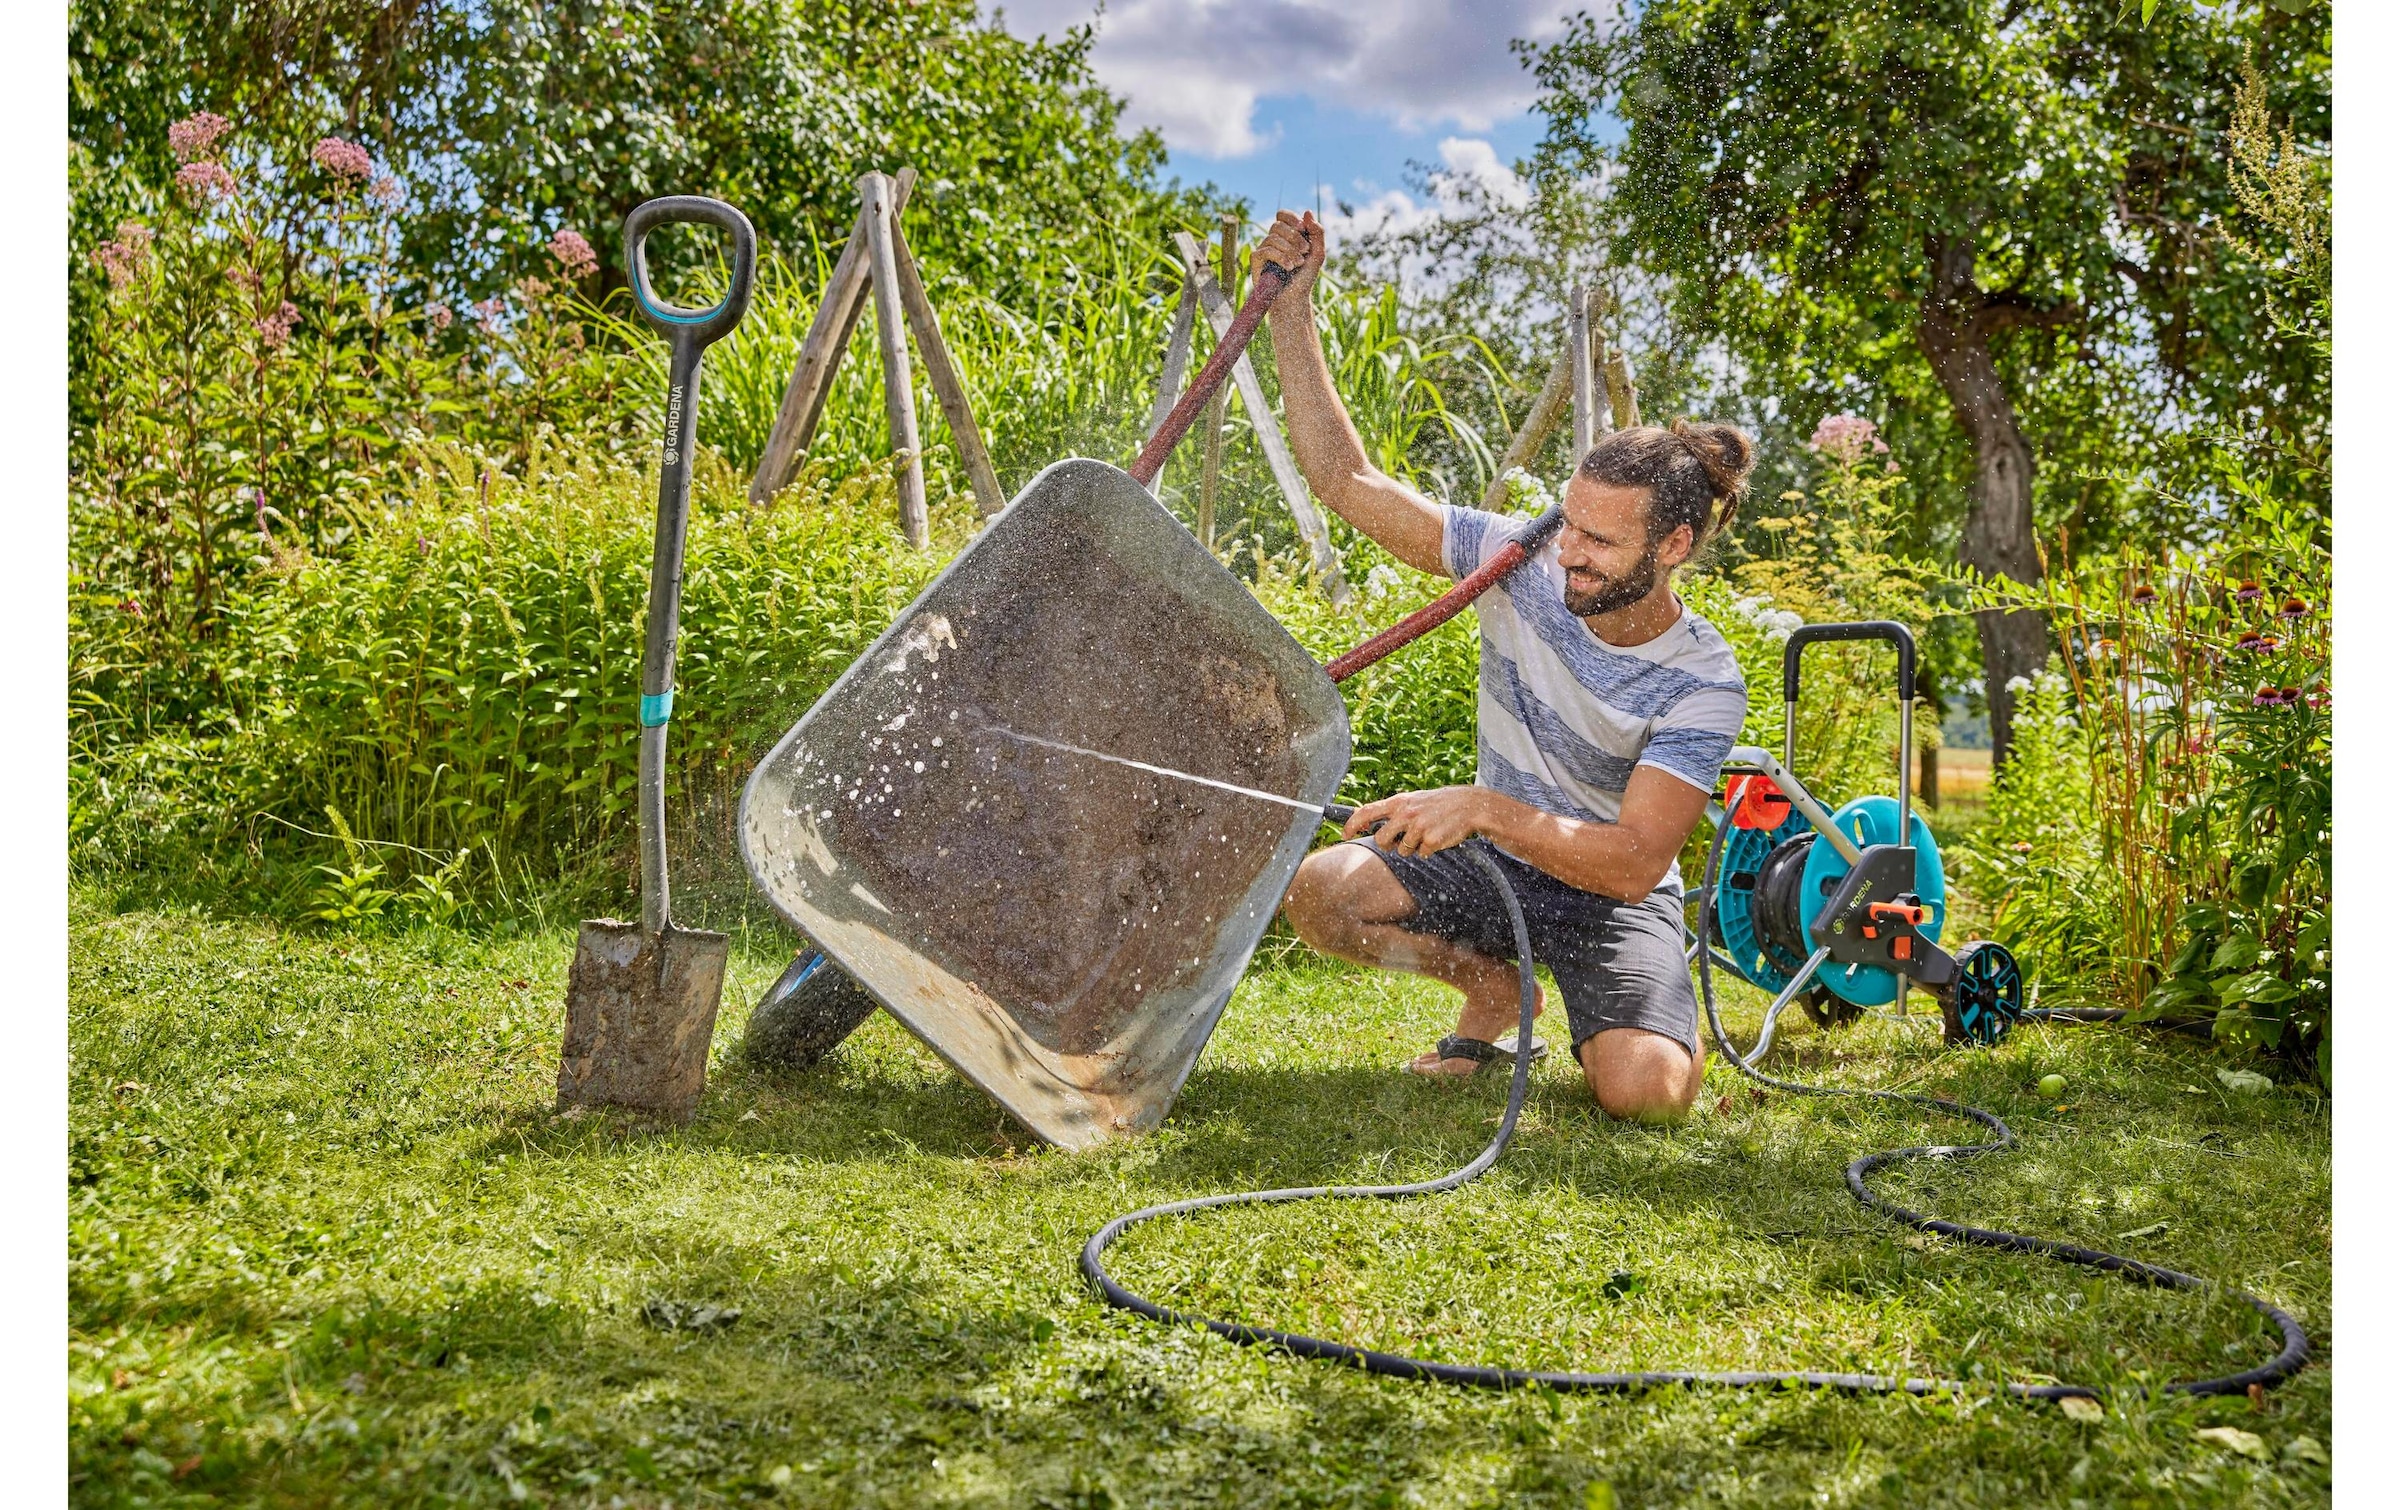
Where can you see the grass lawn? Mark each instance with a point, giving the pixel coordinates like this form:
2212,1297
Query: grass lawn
328,1244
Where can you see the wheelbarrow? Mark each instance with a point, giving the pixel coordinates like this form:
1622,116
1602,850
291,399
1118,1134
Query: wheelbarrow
1027,820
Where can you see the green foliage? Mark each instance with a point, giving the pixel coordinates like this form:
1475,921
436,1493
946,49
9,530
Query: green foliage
1795,172
462,675
2037,862
2179,846
515,119
255,382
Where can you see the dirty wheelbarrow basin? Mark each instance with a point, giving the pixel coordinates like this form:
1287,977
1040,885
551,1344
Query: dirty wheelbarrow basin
1063,929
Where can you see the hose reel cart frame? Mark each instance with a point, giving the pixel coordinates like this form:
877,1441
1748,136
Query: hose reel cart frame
1845,909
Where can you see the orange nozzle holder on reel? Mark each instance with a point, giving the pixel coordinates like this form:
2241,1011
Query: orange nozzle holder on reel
1757,803
1911,913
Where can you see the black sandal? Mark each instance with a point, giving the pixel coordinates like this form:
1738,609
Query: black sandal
1485,1055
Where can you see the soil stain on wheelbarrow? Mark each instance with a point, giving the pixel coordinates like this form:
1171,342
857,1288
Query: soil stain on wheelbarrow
1063,928
1058,882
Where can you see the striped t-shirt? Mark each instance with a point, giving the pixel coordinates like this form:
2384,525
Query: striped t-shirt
1562,716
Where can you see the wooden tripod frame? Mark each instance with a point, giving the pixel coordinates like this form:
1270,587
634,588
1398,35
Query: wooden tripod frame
876,263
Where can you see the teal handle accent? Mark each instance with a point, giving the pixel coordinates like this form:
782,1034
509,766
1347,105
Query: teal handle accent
657,710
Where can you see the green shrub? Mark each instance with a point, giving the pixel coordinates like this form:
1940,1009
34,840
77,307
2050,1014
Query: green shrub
2199,789
463,674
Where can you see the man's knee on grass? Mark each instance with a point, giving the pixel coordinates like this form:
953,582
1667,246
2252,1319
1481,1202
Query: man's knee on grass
1639,1076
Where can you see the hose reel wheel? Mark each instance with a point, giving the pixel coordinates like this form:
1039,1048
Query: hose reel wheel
1987,999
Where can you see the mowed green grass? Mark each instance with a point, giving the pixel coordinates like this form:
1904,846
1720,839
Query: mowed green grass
329,1245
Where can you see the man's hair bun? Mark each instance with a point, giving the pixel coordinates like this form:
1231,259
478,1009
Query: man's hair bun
1696,473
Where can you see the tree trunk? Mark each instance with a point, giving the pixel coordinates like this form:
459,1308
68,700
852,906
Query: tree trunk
1954,328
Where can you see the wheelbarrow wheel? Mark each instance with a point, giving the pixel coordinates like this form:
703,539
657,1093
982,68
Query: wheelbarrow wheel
812,1007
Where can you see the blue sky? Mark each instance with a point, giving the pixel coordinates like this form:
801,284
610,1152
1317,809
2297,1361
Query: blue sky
1354,155
1287,101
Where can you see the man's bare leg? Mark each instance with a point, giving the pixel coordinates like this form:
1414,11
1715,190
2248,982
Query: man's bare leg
1641,1076
1346,902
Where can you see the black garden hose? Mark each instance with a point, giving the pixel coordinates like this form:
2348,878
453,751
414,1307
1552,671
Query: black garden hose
2293,1357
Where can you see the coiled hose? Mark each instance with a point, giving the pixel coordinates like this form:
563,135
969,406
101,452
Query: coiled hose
2293,1357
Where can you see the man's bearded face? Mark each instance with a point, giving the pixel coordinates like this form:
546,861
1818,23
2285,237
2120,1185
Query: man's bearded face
1591,592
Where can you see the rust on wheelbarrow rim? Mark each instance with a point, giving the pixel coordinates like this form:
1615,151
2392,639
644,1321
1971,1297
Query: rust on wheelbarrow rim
1063,930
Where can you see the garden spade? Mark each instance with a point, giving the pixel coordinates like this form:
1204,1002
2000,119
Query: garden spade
642,997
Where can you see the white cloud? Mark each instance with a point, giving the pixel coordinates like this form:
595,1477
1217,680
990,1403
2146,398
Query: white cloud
1196,69
1470,171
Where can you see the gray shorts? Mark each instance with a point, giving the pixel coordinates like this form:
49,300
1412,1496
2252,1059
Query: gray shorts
1618,964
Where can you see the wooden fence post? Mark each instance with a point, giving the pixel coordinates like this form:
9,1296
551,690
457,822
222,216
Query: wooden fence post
1219,310
1625,406
820,354
1171,369
899,397
948,387
1540,420
1579,362
1212,422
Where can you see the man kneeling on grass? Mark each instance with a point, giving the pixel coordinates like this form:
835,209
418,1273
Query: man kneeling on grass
1605,710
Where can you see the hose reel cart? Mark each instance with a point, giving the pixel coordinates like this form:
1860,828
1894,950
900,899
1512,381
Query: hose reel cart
1843,911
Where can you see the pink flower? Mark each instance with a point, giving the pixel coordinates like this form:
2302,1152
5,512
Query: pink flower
438,316
276,328
344,160
575,255
195,136
491,309
207,180
127,257
384,190
1846,438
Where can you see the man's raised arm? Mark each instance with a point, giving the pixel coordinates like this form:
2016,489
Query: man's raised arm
1324,442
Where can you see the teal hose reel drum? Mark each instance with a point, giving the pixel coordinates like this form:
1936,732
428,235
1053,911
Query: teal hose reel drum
1843,911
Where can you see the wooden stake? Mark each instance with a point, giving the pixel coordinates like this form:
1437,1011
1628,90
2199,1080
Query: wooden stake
1540,420
899,397
1625,406
947,387
1170,372
820,353
1212,421
1219,310
1579,363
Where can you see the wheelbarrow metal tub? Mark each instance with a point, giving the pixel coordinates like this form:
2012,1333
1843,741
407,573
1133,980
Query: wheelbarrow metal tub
1065,931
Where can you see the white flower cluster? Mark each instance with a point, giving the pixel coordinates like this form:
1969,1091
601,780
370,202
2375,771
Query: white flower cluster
1382,579
1527,494
1776,623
